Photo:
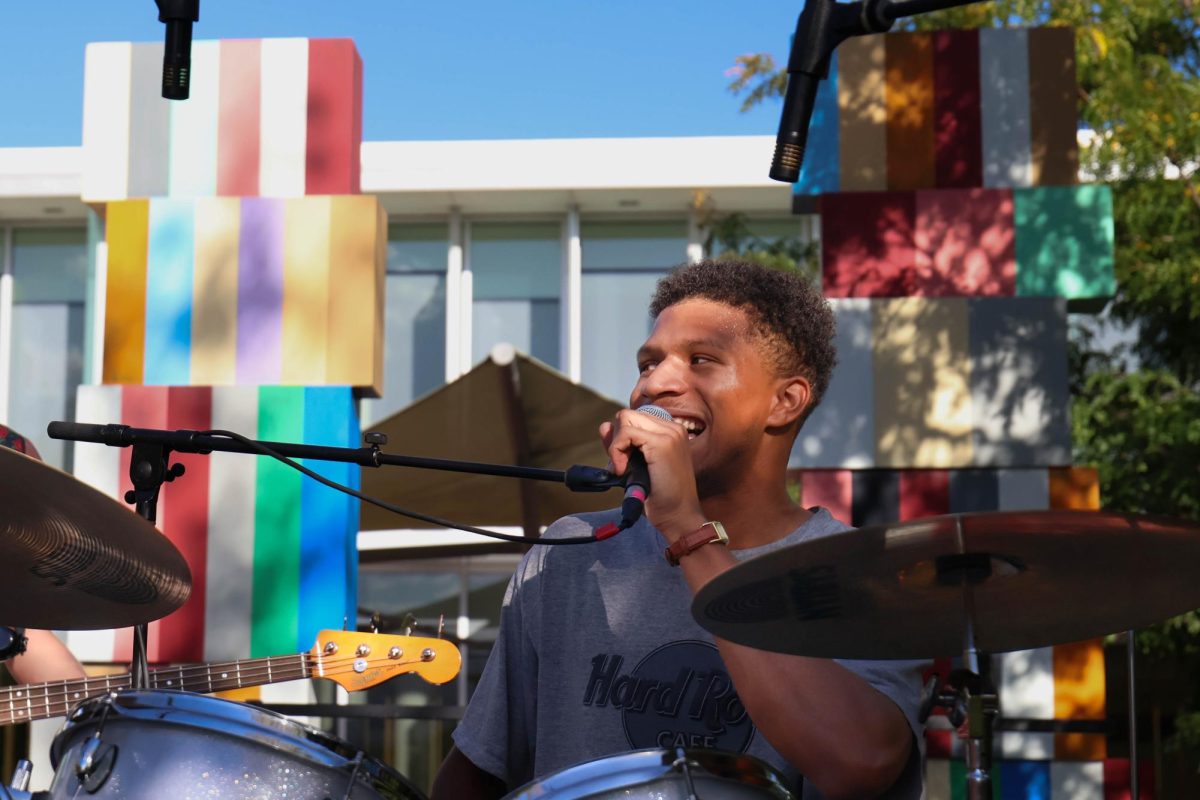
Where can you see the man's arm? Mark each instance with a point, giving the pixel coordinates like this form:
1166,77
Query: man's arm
459,779
847,738
45,659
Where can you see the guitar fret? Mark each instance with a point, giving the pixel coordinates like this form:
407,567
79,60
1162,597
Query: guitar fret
56,698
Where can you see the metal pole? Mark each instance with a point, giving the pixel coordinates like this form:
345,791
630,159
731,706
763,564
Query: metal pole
1133,757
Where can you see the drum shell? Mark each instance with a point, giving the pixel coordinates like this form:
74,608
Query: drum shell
650,775
181,746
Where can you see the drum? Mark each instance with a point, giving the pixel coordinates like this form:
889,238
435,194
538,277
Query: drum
662,775
181,746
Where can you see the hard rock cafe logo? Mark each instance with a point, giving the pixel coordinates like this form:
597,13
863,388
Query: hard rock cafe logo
677,696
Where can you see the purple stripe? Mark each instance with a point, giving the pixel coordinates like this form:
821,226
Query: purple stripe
260,292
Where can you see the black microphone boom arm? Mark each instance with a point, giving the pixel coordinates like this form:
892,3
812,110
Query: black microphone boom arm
821,27
578,478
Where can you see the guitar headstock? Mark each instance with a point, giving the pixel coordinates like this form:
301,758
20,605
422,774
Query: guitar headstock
357,661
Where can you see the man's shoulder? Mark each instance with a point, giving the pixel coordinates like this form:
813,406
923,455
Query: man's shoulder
581,524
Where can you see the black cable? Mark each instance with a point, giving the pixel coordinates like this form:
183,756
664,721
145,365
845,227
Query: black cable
386,506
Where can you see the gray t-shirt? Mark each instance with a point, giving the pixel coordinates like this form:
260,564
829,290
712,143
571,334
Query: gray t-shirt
598,654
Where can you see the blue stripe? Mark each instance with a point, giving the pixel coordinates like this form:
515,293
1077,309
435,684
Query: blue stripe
819,173
324,521
169,293
1024,780
353,473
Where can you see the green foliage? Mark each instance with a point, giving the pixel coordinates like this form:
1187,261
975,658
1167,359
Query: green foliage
730,237
1142,431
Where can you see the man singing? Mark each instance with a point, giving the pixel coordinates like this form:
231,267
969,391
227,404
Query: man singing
598,652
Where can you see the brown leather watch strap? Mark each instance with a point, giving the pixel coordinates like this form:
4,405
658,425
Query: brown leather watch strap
708,533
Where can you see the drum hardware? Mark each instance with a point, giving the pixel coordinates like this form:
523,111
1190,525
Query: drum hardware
96,758
985,583
22,773
677,774
206,746
682,764
358,762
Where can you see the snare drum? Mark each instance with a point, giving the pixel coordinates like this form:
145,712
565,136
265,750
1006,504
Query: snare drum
662,775
179,745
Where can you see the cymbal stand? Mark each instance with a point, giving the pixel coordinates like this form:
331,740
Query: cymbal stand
148,470
968,694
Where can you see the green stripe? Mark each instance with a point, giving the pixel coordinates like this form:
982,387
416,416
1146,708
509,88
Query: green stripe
275,614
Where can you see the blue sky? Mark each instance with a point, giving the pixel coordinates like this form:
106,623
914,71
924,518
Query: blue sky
439,70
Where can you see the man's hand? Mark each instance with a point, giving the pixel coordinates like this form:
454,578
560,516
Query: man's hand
673,506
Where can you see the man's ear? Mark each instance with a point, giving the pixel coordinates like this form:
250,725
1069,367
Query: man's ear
792,398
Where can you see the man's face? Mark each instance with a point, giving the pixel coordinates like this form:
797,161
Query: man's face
704,364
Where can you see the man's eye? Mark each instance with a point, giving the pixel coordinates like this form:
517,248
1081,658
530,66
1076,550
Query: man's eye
645,367
701,360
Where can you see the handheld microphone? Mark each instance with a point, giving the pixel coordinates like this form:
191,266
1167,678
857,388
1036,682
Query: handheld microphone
177,51
637,484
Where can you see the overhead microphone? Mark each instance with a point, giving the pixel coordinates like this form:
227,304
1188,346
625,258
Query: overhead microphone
177,48
822,26
637,484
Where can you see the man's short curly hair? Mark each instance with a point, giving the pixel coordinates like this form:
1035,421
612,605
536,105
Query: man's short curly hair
793,318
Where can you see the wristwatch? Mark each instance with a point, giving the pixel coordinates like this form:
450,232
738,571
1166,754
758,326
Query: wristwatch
709,533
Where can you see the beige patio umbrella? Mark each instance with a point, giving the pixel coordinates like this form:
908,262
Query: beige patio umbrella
510,409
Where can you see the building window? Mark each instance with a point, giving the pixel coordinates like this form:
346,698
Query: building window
50,275
516,278
415,317
622,262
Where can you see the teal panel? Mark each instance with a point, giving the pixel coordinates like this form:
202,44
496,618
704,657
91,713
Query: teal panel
1065,241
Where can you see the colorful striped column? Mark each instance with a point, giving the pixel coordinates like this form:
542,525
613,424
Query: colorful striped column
992,108
1048,241
943,383
266,117
246,291
271,552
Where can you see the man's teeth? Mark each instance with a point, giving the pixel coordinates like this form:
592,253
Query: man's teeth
691,426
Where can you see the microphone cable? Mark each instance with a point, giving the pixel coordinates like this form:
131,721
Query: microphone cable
386,506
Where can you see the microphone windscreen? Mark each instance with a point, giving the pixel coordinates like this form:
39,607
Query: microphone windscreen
655,411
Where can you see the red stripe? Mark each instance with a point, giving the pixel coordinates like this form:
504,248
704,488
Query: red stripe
939,743
141,407
828,488
957,130
965,243
867,244
238,131
924,493
356,136
334,117
1116,779
180,636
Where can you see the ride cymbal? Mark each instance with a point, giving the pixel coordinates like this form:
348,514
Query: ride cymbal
903,590
72,558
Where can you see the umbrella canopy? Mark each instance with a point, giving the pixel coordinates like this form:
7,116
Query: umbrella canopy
510,409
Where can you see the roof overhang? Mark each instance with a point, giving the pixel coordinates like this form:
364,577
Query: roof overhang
633,176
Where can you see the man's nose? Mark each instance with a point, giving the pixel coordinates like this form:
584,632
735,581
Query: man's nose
667,378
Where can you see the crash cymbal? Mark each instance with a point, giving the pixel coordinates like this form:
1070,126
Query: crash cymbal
72,558
903,590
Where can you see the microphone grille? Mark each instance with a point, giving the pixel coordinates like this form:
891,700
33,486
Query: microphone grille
655,411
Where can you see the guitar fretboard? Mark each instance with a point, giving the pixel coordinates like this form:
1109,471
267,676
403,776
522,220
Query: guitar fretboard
56,698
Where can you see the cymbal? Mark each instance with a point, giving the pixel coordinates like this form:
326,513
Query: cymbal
72,558
903,590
